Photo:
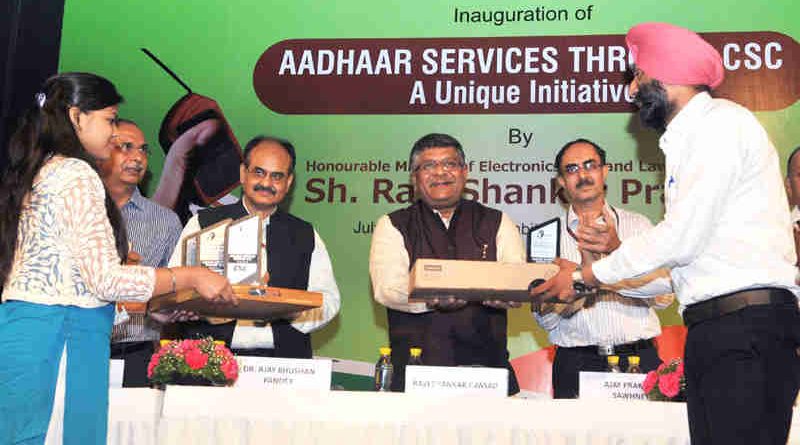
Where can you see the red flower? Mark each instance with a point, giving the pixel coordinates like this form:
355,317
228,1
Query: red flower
230,369
205,358
649,382
670,384
195,358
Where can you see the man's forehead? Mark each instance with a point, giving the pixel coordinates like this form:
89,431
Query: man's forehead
580,152
436,152
270,154
130,132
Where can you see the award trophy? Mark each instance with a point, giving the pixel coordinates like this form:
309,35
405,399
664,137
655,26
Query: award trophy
211,247
544,241
233,249
242,259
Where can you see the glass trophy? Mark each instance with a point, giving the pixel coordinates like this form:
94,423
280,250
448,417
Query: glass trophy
211,246
242,259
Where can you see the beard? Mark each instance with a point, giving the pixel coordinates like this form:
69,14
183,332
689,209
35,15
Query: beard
654,106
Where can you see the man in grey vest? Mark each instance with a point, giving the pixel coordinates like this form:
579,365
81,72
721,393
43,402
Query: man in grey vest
267,175
441,224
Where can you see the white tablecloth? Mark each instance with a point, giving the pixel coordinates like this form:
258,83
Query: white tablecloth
201,415
134,415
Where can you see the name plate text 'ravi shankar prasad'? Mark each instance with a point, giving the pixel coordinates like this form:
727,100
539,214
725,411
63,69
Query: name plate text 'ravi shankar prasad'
451,380
284,373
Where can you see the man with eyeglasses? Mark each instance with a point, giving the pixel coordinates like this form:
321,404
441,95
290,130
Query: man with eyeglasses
152,230
293,252
441,224
590,329
726,236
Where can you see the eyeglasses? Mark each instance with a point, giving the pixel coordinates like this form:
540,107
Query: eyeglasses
128,147
259,173
589,165
446,164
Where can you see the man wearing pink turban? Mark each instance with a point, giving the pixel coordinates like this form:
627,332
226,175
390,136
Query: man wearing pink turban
726,236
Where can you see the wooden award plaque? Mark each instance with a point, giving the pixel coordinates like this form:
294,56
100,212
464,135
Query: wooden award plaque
477,280
255,303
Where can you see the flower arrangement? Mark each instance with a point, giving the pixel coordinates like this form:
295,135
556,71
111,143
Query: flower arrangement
666,383
195,360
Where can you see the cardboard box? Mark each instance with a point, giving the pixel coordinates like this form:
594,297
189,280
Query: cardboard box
476,280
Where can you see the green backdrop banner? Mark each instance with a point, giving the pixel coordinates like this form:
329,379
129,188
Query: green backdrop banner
353,84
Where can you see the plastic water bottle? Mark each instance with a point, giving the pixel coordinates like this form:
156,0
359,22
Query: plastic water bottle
613,363
415,357
633,365
384,371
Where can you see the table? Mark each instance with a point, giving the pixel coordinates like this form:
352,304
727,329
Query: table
208,415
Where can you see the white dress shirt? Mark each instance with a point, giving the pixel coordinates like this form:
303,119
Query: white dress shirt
612,319
389,263
320,279
726,226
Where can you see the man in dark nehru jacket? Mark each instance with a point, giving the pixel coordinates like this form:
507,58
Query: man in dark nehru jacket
726,236
295,257
440,224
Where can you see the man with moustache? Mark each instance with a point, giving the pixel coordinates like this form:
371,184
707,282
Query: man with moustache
726,236
152,230
589,330
293,252
440,224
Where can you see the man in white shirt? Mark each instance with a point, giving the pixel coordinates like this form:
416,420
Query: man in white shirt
792,183
294,254
726,237
441,224
589,330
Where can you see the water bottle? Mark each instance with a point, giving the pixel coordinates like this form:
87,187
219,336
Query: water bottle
415,357
613,363
384,370
633,365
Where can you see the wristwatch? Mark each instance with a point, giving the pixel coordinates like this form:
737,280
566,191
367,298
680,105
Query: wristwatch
578,284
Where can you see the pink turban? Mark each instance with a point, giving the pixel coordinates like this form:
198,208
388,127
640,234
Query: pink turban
674,55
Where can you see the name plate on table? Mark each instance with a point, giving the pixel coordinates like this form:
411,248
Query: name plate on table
284,373
452,380
611,386
477,280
